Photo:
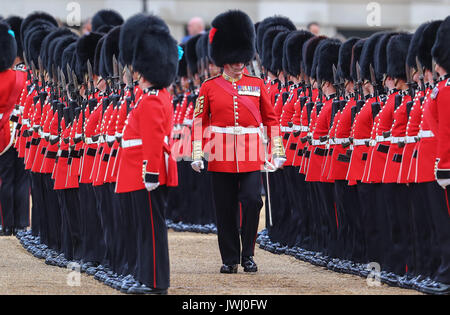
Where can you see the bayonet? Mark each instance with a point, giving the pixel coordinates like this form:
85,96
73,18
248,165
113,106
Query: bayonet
319,87
336,82
41,73
359,82
409,81
64,85
374,81
91,78
433,71
421,76
115,76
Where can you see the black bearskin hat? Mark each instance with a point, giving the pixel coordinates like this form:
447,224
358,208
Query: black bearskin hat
356,54
232,38
98,67
182,64
380,58
277,52
414,46
131,32
86,51
396,51
156,55
367,56
441,49
191,54
309,47
9,46
15,22
33,42
328,56
292,51
33,19
110,48
345,58
266,53
108,18
58,51
426,44
269,22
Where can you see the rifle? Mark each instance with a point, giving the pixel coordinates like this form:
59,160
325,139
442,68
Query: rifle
421,76
411,91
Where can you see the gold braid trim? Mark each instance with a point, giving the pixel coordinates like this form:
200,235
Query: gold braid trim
197,153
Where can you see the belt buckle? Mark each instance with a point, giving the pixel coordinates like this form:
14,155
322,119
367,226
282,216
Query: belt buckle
238,130
372,143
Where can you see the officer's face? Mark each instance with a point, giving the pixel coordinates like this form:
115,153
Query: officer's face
234,69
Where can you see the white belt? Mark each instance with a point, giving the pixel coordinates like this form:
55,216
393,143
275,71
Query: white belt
53,137
318,142
409,139
110,138
1,116
188,122
383,139
45,134
358,142
77,135
426,134
236,130
25,122
397,139
285,129
131,143
339,140
300,128
90,141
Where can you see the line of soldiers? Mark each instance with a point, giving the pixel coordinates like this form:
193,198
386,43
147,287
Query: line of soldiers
364,146
91,119
365,129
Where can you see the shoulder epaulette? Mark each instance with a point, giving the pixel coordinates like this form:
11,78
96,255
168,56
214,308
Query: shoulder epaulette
20,67
212,78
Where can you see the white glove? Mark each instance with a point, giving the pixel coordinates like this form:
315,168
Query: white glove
443,182
278,162
197,166
151,186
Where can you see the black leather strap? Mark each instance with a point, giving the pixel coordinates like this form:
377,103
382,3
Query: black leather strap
383,148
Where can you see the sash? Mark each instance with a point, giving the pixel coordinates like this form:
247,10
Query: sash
243,99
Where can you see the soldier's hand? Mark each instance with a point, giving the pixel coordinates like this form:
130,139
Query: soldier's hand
278,162
443,182
151,186
197,166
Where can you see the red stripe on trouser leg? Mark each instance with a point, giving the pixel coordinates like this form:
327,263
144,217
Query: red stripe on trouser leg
240,215
446,199
335,212
153,236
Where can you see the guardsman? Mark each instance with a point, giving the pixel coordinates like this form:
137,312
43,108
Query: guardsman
14,189
146,167
235,159
437,115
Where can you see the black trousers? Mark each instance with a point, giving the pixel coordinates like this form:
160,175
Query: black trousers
105,213
39,220
230,189
153,268
14,191
440,212
374,222
128,224
425,257
93,242
52,212
399,247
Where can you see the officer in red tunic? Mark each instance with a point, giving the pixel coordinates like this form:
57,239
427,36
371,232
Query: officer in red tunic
146,168
437,115
14,189
233,107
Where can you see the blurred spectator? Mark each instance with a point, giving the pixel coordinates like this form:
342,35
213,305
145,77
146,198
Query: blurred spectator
86,27
314,28
195,26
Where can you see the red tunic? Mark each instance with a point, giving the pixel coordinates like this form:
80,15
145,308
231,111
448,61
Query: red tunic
234,153
150,122
398,132
340,161
11,87
361,130
438,117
